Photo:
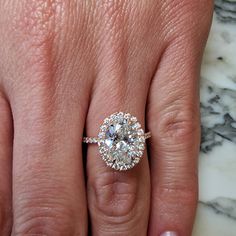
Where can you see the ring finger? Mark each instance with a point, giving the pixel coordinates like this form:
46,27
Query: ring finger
119,199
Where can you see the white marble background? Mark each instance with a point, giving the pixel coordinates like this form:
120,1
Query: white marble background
216,214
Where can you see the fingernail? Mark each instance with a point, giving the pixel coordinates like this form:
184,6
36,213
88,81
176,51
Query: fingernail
169,233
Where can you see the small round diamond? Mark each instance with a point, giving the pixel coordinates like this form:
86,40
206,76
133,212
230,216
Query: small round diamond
122,141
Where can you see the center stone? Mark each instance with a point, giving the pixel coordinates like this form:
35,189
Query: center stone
121,143
118,139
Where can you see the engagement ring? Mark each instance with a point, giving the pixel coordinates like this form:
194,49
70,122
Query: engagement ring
121,141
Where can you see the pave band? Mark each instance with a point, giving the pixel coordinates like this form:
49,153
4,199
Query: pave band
95,140
121,141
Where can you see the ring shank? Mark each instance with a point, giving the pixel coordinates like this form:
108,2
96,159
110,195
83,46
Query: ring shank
91,140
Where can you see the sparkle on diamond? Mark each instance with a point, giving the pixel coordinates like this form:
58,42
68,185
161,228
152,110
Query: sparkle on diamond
122,141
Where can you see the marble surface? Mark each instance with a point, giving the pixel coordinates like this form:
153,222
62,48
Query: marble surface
216,214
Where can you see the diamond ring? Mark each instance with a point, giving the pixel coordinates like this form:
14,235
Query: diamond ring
121,141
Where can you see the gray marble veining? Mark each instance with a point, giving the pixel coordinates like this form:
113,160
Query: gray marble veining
225,10
217,162
218,122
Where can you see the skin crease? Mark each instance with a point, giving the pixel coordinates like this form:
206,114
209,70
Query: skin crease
66,65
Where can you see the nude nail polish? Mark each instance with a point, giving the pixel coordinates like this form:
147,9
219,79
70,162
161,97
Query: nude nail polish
169,233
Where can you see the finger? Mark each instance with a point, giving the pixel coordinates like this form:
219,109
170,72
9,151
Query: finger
49,109
118,201
5,166
173,118
48,182
174,122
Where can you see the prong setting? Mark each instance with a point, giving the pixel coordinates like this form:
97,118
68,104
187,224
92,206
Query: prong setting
121,141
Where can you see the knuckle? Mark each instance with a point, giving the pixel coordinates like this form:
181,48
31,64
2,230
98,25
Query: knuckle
47,219
191,6
39,18
178,125
115,198
178,194
179,183
200,13
114,9
37,27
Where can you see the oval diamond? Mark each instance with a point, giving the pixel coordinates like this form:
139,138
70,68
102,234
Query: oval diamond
123,141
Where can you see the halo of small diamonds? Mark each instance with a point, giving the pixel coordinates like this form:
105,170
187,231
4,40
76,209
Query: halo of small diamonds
121,141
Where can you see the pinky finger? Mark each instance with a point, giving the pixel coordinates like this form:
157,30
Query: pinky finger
5,166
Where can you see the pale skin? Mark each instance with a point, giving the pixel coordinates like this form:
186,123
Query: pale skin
66,65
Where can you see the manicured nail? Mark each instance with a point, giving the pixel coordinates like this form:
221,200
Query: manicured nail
169,233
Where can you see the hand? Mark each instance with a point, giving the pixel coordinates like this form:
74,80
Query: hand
66,65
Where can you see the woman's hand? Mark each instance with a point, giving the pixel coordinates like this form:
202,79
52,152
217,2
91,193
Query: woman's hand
66,65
